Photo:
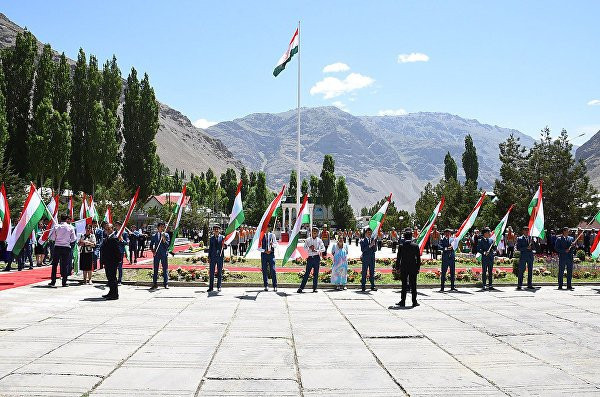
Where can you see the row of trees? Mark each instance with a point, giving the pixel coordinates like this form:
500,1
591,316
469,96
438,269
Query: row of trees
59,125
568,195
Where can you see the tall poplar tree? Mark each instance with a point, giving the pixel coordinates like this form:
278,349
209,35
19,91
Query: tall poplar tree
39,140
78,116
450,168
3,121
327,182
62,85
469,160
44,78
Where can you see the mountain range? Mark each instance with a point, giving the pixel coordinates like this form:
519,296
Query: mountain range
589,152
376,154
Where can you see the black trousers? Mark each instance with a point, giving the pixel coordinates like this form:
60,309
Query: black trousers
409,279
111,277
133,253
63,256
312,263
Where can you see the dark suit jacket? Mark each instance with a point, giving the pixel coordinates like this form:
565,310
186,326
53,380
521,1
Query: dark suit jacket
216,249
110,252
368,253
409,258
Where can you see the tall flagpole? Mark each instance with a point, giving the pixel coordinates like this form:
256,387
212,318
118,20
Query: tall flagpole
298,154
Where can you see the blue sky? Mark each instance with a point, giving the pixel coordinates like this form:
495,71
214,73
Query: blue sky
515,64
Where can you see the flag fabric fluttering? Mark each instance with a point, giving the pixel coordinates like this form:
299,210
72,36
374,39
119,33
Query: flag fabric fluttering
536,212
83,211
179,208
468,223
33,211
236,218
426,231
499,230
53,208
129,211
303,217
70,207
595,250
4,215
289,53
263,225
377,219
92,209
108,215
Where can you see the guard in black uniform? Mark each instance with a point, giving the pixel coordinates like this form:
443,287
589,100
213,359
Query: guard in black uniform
409,263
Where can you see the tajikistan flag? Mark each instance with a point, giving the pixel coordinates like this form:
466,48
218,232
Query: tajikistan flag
303,217
499,230
263,225
33,211
92,209
237,216
289,53
178,209
377,219
70,206
108,216
4,215
83,211
536,210
595,250
53,208
468,223
422,239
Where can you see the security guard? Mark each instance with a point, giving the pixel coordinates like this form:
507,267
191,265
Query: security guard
565,246
525,245
448,259
485,248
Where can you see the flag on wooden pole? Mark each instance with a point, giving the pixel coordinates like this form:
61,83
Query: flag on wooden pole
4,215
129,211
263,225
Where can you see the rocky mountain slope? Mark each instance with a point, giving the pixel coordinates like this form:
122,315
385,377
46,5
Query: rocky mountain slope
377,154
589,152
180,144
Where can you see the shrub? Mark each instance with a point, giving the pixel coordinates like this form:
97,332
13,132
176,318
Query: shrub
580,254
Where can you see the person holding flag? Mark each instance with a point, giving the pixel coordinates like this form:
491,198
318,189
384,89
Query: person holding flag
448,259
159,245
368,247
566,248
485,251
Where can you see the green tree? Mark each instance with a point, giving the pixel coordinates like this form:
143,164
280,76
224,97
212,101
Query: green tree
304,187
229,184
245,182
79,119
314,189
469,160
103,143
293,185
450,168
425,204
327,183
39,140
3,120
62,85
112,85
342,211
60,142
44,78
19,67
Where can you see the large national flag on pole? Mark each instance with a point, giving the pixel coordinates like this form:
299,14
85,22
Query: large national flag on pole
4,215
79,227
70,207
179,209
595,250
83,211
237,217
303,217
129,211
33,211
499,230
92,209
377,219
263,225
53,208
468,223
289,53
426,230
536,212
108,215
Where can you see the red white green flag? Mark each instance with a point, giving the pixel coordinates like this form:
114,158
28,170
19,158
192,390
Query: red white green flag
129,211
468,223
289,53
179,208
92,209
499,230
263,225
108,216
303,217
70,207
426,231
83,210
53,208
4,215
33,211
595,250
536,212
237,217
377,219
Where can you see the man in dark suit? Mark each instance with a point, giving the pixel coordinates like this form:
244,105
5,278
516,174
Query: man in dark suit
368,246
110,256
267,259
485,248
565,248
525,245
216,248
448,259
409,263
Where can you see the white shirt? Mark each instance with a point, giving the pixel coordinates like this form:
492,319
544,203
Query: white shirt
271,242
63,235
317,243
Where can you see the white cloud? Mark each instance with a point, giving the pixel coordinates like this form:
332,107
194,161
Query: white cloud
336,67
332,87
392,112
413,57
203,123
594,102
340,105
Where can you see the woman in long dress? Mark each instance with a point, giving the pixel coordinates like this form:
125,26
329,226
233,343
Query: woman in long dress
339,270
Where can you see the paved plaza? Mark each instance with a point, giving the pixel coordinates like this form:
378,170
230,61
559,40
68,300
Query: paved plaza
246,342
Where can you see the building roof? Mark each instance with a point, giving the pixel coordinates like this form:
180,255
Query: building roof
173,198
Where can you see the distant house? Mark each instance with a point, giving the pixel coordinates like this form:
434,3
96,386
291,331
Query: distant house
157,202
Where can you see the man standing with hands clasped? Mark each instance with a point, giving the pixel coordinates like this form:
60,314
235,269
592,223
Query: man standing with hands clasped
485,248
159,246
314,247
448,259
368,246
525,246
565,246
267,259
215,257
409,263
110,256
